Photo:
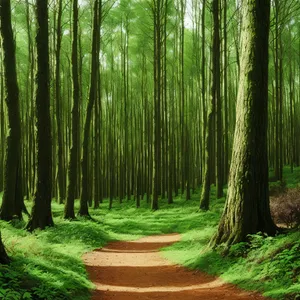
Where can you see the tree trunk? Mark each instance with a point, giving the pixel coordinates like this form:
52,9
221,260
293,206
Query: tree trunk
203,85
214,101
157,105
218,102
225,86
60,154
41,210
12,201
247,208
73,155
84,197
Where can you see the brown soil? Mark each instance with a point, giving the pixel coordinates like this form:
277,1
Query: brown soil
136,270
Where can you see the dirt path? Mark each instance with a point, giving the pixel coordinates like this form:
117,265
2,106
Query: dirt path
136,270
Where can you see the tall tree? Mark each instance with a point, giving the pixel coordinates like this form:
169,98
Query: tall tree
41,210
278,91
203,81
214,104
247,206
225,93
217,94
30,141
73,162
157,14
60,154
84,197
12,201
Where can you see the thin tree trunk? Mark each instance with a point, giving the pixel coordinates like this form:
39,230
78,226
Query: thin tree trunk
83,210
157,105
60,154
215,90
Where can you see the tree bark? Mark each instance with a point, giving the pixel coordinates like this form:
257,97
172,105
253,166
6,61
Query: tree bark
41,210
225,87
247,208
157,105
73,155
214,101
84,197
60,154
12,201
217,94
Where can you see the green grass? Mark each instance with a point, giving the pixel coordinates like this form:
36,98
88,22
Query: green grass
47,264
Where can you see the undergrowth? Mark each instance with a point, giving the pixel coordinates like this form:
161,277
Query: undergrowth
47,264
270,265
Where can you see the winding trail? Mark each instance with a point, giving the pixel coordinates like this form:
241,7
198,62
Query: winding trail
136,270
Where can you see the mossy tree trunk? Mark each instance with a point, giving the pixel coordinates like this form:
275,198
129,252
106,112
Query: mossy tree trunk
41,210
12,202
73,155
247,208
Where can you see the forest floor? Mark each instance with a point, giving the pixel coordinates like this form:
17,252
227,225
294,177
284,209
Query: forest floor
48,264
136,270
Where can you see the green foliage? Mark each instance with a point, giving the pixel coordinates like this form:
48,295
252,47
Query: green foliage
239,250
10,284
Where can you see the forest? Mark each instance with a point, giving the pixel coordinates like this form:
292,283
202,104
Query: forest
149,149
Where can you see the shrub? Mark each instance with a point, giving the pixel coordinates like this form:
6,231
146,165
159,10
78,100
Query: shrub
285,208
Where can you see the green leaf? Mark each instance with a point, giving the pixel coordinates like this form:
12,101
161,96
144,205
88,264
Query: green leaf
3,292
27,295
